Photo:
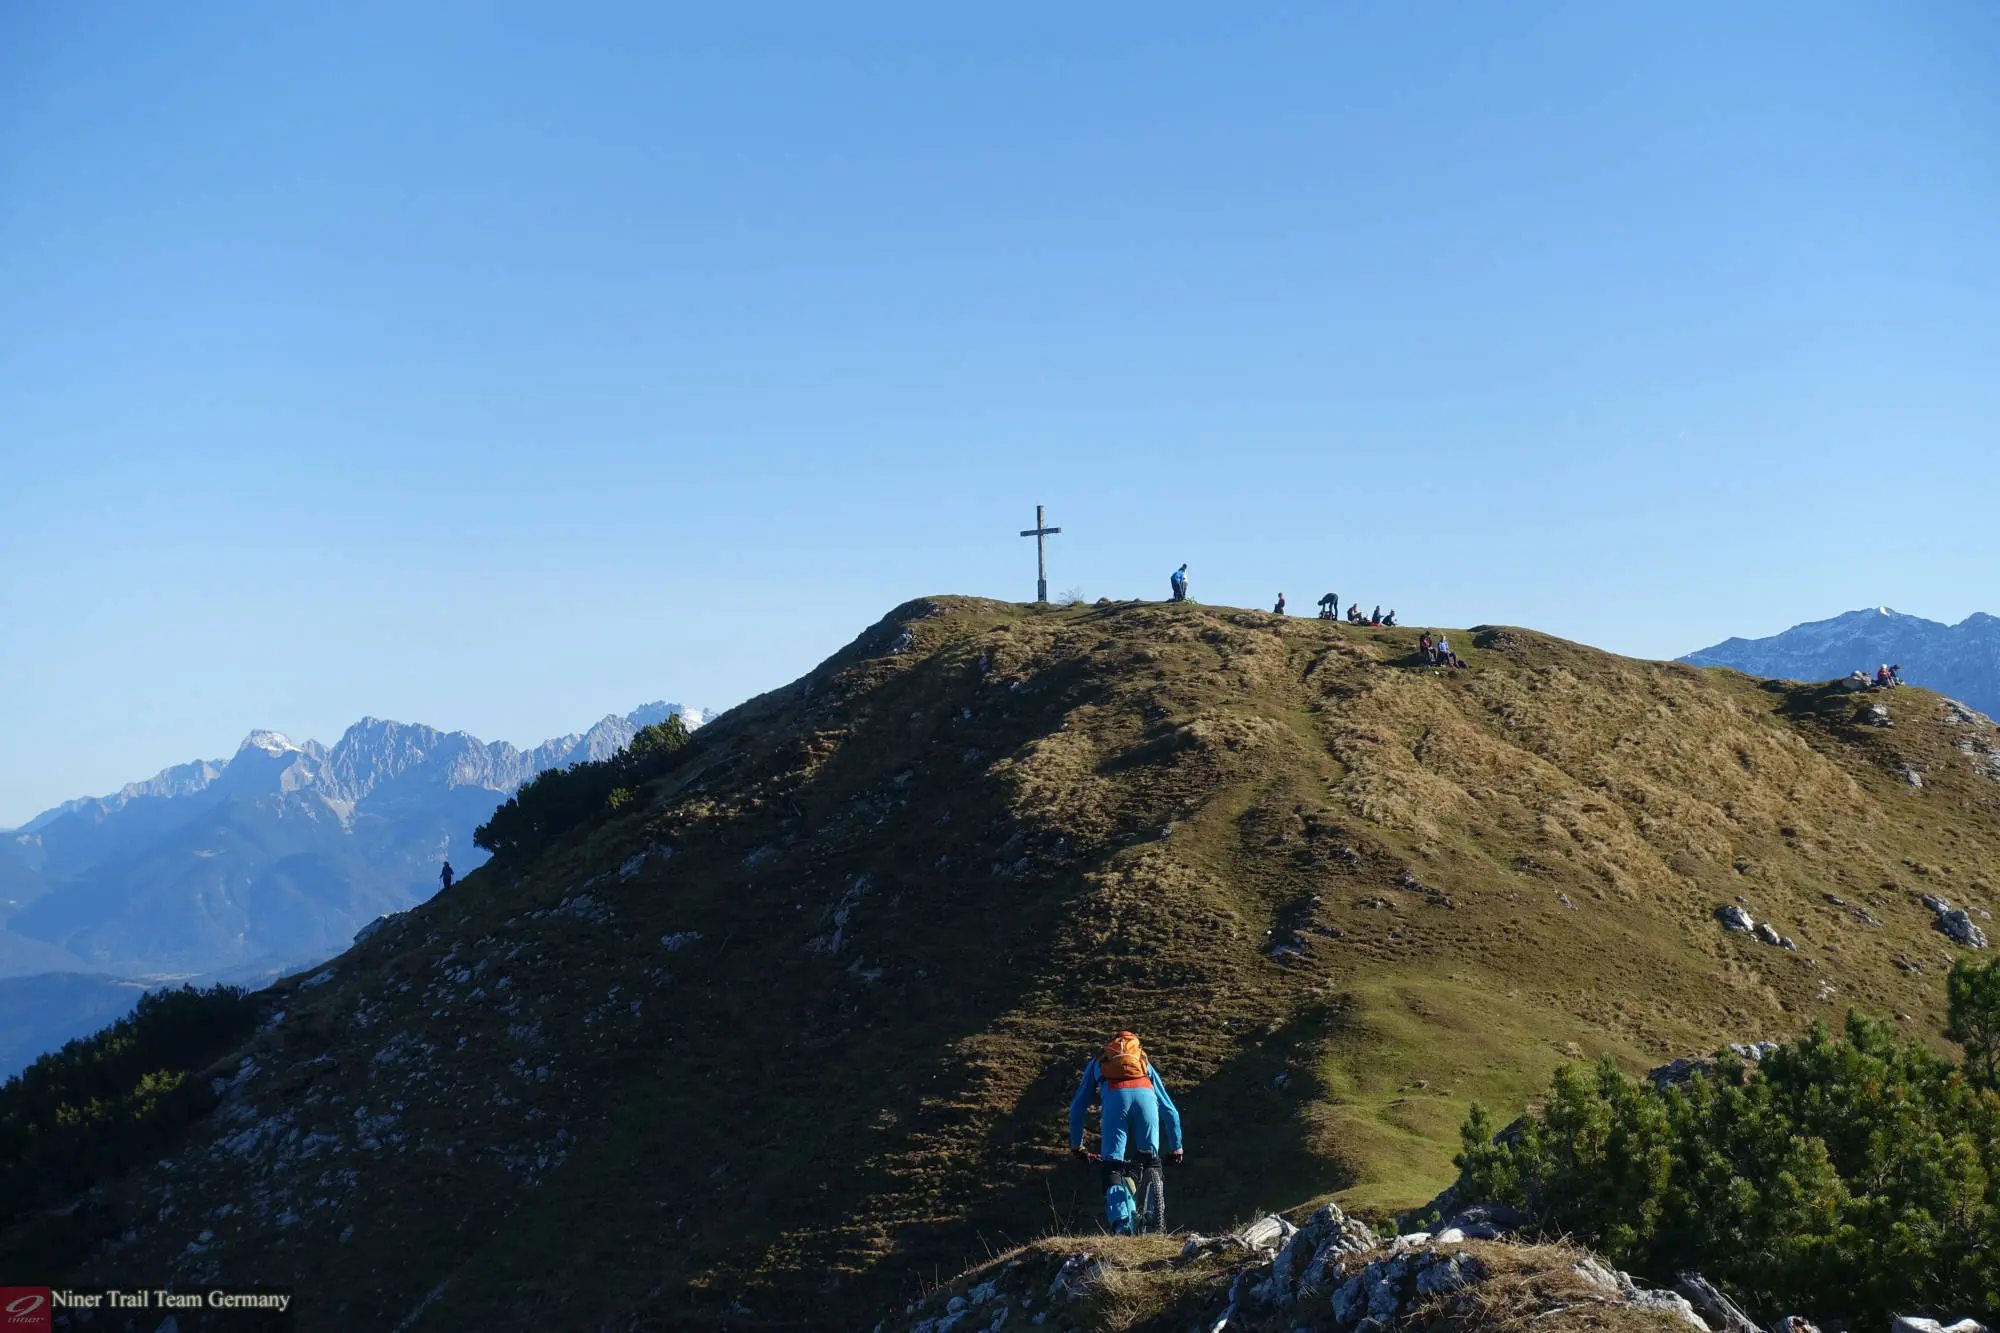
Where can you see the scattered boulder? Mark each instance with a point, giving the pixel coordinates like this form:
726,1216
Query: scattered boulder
1733,917
1917,1324
1958,925
1079,1275
1955,922
1720,1313
1266,1233
1680,1071
1484,1221
1958,715
1876,715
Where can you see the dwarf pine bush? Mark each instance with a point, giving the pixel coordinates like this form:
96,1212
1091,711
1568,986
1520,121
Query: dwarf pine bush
106,1102
551,804
1849,1177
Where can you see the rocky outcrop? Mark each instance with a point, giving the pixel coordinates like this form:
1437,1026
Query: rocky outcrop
1331,1275
1734,917
1955,922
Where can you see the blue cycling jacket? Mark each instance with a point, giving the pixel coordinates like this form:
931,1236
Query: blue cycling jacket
1079,1107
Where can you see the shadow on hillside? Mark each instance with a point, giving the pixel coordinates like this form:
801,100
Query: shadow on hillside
1829,704
1248,1136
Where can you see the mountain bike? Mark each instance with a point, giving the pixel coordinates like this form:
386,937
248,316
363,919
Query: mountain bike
1135,1195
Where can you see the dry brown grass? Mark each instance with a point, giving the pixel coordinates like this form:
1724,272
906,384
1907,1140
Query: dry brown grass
1063,822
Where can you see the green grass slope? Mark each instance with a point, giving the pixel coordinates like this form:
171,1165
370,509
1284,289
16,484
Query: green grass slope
794,1032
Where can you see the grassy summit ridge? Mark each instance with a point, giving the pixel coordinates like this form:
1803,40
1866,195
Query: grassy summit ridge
794,1030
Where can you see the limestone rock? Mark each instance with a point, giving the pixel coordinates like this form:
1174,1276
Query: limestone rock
1266,1233
1669,1302
1958,925
1733,917
1718,1310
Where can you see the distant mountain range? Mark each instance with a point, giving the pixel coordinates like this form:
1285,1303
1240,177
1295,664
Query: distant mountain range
1961,660
244,867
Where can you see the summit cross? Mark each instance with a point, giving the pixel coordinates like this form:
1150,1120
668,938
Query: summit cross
1038,532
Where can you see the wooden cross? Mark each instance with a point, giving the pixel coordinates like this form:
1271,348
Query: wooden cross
1041,559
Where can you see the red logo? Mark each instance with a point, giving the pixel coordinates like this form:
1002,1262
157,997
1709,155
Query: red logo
25,1308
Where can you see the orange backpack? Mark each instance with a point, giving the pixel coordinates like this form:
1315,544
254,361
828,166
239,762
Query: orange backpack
1122,1061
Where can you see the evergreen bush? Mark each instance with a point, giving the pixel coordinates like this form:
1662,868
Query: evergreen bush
107,1102
553,803
1848,1178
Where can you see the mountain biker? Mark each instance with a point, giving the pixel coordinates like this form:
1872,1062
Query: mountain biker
1136,1106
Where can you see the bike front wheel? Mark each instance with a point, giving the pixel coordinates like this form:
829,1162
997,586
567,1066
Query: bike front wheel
1152,1200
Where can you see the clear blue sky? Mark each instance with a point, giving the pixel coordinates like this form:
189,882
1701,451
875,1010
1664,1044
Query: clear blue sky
498,366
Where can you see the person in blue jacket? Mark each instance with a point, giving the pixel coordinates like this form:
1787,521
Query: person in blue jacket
1136,1106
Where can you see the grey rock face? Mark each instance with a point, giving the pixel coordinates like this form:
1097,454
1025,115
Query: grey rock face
1958,925
1733,917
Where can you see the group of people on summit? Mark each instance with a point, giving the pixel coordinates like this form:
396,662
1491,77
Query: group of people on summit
1435,652
1329,605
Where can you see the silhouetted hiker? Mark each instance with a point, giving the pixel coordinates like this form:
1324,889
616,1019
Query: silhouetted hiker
1376,619
1329,606
1178,582
1390,619
445,874
1279,609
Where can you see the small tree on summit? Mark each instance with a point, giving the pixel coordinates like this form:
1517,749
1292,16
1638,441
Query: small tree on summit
1973,993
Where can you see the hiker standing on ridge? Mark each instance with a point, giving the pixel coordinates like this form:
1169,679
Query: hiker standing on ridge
444,876
1136,1106
1178,582
1279,609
